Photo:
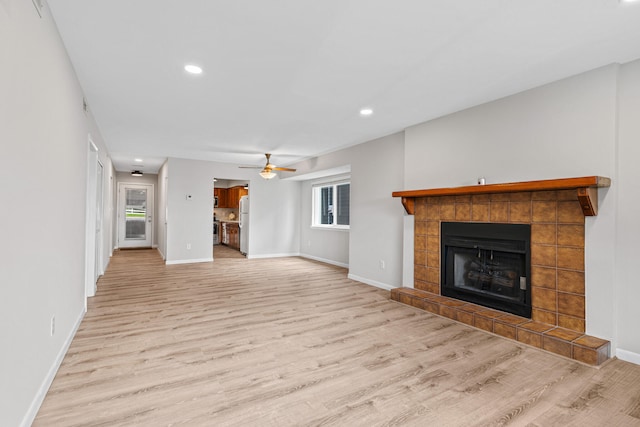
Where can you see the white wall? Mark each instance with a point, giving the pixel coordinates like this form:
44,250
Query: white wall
628,222
326,245
376,218
44,140
274,204
564,129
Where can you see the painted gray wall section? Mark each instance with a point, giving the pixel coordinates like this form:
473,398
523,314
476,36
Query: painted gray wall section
628,224
43,165
565,129
376,218
274,221
161,215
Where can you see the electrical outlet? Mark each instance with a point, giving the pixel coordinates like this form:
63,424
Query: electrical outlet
53,325
382,264
188,246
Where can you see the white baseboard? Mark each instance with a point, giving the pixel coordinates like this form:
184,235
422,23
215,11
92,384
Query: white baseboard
628,356
272,256
164,258
326,261
188,261
371,282
30,416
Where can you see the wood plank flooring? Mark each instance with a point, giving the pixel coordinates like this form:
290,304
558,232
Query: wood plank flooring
283,342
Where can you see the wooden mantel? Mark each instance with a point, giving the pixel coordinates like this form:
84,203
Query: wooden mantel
586,188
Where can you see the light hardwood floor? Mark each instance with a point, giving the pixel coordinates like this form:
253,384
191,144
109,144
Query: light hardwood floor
288,341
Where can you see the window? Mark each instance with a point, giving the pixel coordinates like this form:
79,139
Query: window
331,205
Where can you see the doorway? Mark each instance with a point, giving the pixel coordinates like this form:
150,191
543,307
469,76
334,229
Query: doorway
135,215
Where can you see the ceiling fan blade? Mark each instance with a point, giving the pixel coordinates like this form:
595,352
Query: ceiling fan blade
284,169
250,167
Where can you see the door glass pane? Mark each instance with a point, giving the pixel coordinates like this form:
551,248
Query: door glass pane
136,214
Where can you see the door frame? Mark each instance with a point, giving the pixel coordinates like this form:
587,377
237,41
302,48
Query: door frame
91,217
149,219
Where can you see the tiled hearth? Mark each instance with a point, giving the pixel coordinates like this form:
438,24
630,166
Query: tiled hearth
557,266
564,342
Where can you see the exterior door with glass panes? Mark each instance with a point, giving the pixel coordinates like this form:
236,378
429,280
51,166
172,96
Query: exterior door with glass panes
135,215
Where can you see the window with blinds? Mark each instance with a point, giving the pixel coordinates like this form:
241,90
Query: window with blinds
331,205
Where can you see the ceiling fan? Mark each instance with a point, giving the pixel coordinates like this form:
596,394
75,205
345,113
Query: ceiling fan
267,170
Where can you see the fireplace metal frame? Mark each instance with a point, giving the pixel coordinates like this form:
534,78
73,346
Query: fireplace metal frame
508,238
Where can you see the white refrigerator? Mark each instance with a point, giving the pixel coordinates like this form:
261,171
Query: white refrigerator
244,224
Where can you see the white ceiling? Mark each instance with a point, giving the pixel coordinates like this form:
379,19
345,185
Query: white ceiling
290,76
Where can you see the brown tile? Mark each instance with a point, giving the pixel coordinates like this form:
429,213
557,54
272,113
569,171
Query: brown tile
543,211
418,284
433,259
433,297
471,308
544,234
480,212
557,346
570,322
483,323
433,211
448,311
421,227
563,334
543,277
502,329
395,294
590,342
463,211
464,317
420,257
571,235
570,213
420,242
528,337
510,319
522,196
500,197
448,212
571,258
420,273
489,314
450,302
431,287
535,327
411,300
431,307
571,281
446,200
543,255
544,195
591,356
420,206
433,228
480,198
433,275
571,305
543,316
499,212
567,194
433,244
520,212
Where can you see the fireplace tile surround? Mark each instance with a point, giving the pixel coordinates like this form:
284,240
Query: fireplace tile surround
557,278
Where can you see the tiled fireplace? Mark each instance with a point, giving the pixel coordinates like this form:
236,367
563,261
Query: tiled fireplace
557,269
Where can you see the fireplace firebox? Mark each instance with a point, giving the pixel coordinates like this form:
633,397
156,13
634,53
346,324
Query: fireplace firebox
487,264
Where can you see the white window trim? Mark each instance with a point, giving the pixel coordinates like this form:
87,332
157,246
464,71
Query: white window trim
334,181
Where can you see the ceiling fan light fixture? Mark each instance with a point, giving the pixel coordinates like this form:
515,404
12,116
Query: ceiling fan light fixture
136,173
267,174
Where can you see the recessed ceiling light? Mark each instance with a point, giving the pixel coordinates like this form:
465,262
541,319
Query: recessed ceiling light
193,69
366,112
138,160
